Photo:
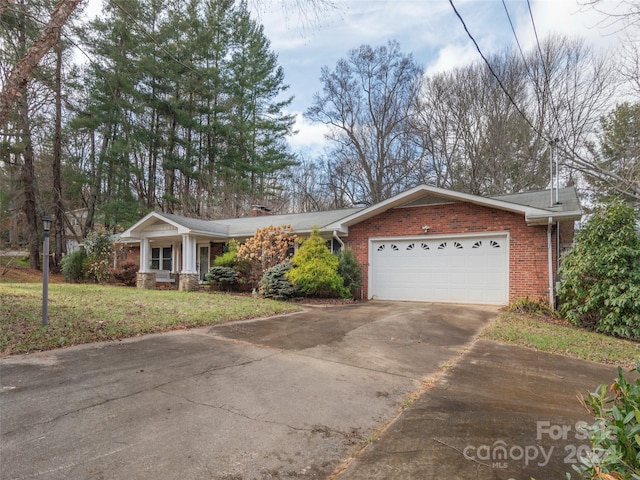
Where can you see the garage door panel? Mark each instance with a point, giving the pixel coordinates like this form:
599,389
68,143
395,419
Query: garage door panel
456,269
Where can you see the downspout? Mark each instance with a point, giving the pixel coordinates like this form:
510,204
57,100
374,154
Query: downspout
335,235
557,279
550,256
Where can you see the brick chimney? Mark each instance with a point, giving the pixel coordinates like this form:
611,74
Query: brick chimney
259,211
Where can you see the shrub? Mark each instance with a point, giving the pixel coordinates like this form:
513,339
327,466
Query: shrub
534,307
274,283
230,257
349,270
73,266
315,269
100,251
268,247
615,435
600,286
222,277
126,274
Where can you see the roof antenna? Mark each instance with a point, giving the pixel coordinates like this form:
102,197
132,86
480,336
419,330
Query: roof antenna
554,154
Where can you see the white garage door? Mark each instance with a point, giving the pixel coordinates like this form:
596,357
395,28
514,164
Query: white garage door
456,269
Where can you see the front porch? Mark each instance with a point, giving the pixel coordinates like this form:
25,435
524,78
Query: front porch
152,280
171,254
184,263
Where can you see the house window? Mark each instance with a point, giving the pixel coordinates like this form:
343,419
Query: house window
161,258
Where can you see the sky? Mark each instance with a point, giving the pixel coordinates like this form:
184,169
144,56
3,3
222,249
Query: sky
428,29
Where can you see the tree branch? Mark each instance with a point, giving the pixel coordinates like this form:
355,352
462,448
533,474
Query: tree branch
5,4
21,72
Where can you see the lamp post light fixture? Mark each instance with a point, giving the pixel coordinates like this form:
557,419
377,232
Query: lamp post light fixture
46,226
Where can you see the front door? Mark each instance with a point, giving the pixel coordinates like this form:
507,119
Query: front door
203,261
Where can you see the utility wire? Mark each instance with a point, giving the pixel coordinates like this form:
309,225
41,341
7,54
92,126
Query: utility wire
502,87
515,35
547,75
581,163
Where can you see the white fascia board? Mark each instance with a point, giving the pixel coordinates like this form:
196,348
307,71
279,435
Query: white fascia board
338,226
542,217
419,191
533,216
137,230
132,231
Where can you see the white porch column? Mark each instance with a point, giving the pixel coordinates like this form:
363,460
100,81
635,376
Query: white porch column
145,278
188,254
145,255
175,256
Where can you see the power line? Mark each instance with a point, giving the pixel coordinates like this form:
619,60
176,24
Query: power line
502,87
516,37
547,76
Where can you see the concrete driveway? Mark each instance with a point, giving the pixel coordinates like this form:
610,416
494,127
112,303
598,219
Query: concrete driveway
501,412
285,397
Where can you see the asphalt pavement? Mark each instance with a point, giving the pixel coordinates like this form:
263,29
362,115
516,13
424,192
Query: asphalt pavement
285,397
380,390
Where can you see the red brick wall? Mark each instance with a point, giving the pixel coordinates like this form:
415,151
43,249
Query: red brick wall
528,262
127,253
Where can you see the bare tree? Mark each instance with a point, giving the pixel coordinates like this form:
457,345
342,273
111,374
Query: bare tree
367,101
482,140
475,138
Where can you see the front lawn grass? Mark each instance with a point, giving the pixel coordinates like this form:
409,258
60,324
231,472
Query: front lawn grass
91,313
548,334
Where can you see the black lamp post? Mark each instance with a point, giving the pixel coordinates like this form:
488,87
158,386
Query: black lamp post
46,226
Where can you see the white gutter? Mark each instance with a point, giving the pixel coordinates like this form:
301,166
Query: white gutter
550,257
335,235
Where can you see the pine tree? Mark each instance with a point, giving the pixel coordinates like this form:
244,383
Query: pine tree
256,85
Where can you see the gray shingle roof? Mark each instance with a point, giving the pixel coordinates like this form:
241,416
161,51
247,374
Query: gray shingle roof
541,199
300,222
247,226
208,226
535,205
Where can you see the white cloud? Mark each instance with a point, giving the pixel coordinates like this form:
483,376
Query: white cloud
310,136
573,19
452,56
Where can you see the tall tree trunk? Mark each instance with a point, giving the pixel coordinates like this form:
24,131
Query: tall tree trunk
153,158
27,177
19,76
170,170
28,180
97,179
56,164
13,205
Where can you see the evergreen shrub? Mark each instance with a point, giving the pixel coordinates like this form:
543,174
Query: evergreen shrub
274,283
73,266
600,287
315,269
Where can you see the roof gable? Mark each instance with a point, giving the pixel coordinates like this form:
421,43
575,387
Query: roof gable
156,222
529,204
